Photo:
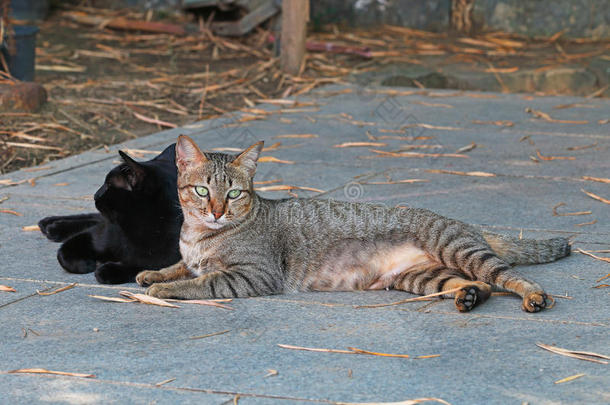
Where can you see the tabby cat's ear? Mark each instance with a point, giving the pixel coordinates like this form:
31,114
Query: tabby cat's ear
187,153
133,175
247,159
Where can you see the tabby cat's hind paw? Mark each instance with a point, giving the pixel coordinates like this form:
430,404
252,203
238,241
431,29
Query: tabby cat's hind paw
149,277
536,302
469,297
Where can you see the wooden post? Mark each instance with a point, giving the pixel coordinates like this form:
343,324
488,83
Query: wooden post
461,16
295,14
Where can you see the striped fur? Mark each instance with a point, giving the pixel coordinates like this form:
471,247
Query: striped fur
250,246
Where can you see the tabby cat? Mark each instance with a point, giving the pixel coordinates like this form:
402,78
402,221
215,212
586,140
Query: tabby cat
237,244
137,227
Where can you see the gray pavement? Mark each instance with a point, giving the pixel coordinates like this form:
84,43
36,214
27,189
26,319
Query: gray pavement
487,356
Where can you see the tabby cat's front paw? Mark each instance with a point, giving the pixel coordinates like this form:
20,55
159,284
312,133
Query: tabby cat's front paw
535,302
149,277
161,290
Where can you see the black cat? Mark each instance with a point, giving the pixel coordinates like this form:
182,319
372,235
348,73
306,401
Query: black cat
137,227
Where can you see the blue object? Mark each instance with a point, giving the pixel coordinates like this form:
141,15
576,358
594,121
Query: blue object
29,9
21,63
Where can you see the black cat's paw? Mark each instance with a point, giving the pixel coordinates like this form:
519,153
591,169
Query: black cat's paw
114,273
536,302
52,228
72,263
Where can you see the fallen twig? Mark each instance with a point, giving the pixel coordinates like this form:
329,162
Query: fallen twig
567,214
475,174
588,356
596,197
570,378
598,179
271,159
406,402
547,158
584,252
44,371
64,288
210,334
547,117
12,212
283,187
422,298
6,288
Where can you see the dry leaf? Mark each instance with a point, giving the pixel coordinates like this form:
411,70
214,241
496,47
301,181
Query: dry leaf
44,371
466,148
570,378
588,356
596,197
6,288
147,299
271,373
271,159
112,299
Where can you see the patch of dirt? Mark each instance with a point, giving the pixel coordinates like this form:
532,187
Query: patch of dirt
107,86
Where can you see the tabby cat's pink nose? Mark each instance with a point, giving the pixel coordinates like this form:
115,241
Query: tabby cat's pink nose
217,214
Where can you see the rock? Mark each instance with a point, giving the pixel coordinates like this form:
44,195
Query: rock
22,96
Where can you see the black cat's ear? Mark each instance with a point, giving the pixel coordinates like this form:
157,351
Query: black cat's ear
247,159
132,175
187,153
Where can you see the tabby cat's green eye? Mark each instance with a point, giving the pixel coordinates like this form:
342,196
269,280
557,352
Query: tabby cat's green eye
201,191
234,193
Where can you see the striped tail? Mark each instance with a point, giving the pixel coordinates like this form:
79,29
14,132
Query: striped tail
527,251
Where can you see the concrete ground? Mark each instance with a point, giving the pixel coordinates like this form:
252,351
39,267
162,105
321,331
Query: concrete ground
487,356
